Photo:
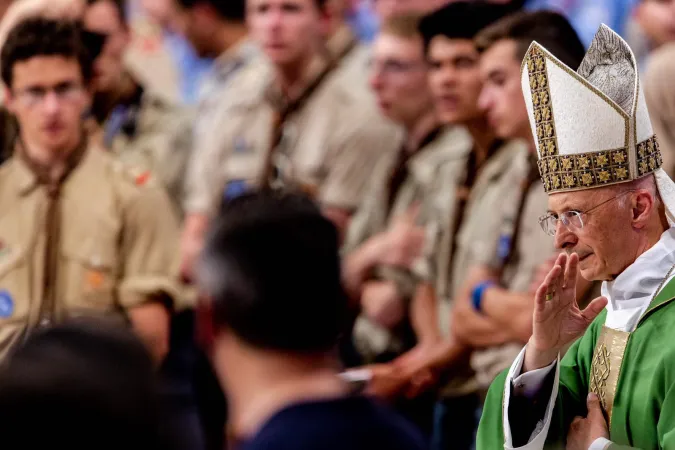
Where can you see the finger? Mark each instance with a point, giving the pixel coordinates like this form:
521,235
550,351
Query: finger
571,271
594,308
549,281
594,408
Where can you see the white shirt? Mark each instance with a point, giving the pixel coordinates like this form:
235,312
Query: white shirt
629,296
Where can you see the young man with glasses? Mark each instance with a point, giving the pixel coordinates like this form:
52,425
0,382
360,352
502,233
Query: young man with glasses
611,211
80,233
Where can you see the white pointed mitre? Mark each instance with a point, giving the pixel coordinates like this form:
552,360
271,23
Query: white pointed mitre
591,127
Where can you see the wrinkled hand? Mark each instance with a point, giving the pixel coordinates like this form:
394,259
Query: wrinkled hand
382,303
584,431
557,319
386,383
403,241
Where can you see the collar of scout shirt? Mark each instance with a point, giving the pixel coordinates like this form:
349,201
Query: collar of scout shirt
29,175
314,70
234,57
631,292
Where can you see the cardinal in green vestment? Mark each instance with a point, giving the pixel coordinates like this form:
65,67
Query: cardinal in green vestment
611,212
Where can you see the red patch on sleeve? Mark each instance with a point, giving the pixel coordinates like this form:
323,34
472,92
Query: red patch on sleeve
142,178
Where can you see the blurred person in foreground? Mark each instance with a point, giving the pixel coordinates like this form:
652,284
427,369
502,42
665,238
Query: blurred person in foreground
272,329
610,208
299,125
80,233
81,385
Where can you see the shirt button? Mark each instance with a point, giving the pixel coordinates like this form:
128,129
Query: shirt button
45,322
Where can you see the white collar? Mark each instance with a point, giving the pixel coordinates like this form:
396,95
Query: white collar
631,292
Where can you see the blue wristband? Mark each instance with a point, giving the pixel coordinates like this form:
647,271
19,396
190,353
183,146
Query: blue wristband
477,294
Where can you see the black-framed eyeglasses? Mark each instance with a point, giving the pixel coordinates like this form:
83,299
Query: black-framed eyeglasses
571,219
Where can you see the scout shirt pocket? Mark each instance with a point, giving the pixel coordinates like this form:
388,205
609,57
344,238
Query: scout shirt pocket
90,271
15,294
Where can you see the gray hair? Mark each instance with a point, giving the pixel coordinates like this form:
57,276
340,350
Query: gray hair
647,183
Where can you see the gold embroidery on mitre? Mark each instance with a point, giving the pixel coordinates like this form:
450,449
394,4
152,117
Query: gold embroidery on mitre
606,366
587,170
541,99
648,156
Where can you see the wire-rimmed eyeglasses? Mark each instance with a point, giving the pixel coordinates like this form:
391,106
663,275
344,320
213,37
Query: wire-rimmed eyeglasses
571,219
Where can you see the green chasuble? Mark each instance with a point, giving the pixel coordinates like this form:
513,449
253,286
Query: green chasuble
636,384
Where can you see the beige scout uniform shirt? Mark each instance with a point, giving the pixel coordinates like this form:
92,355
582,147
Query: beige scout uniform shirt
117,245
149,60
495,189
533,248
151,145
434,172
328,146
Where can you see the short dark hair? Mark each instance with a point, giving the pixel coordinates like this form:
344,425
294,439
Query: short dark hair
37,36
120,6
271,268
462,20
550,29
403,25
233,10
93,374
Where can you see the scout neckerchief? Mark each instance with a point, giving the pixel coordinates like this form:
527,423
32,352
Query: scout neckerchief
400,171
283,110
526,184
52,223
462,196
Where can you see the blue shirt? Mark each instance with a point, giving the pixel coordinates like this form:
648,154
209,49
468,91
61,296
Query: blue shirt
351,423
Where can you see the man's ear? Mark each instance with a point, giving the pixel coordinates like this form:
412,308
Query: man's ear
643,205
8,99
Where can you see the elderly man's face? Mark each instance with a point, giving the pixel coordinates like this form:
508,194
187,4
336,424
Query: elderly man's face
605,241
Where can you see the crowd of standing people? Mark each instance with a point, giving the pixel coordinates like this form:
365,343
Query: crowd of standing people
331,224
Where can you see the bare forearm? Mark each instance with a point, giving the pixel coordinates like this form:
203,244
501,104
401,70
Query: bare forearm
512,311
192,242
424,314
446,353
151,322
476,330
358,265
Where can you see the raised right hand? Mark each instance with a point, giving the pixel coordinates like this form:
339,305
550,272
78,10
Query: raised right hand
557,319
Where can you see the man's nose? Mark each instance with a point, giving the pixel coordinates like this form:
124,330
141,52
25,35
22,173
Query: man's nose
484,101
564,238
51,103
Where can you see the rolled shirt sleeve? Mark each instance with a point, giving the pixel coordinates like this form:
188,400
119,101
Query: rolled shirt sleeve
150,250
